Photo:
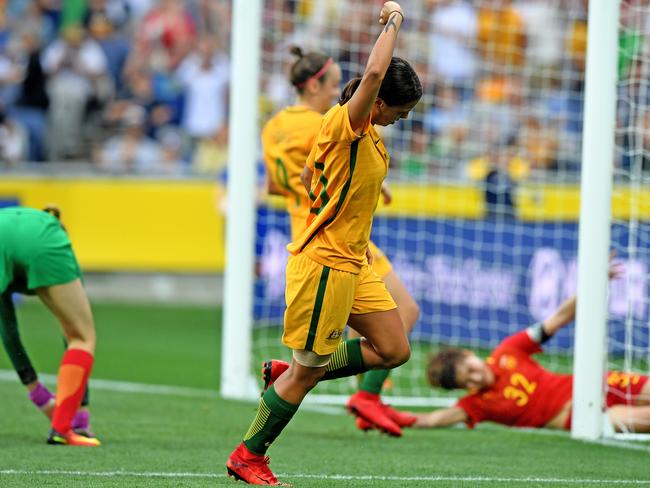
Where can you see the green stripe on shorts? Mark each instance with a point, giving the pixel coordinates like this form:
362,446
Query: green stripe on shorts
318,305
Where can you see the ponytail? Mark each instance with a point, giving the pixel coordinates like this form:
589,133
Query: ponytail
349,90
54,211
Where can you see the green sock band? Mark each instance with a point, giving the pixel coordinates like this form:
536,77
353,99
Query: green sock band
272,417
373,381
346,361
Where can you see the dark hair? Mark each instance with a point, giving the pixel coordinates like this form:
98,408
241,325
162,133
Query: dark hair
306,66
55,212
441,370
400,85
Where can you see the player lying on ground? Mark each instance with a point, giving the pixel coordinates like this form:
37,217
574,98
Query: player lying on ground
511,388
287,139
36,257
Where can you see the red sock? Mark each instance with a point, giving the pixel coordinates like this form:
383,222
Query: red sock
71,384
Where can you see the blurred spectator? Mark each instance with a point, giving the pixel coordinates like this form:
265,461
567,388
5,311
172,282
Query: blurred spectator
501,35
205,75
131,151
114,45
30,107
544,32
171,151
415,161
453,33
78,72
153,91
13,141
539,142
499,170
115,11
164,36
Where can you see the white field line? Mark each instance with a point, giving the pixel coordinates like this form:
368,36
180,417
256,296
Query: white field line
337,477
128,387
149,389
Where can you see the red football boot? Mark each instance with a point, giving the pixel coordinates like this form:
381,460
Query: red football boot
403,419
367,405
251,468
363,424
271,371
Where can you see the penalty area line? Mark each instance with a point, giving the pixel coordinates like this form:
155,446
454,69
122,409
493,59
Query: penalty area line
332,477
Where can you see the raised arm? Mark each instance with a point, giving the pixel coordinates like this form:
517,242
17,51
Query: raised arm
360,105
440,418
566,312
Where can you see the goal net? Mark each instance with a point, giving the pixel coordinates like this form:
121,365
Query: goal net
483,226
628,341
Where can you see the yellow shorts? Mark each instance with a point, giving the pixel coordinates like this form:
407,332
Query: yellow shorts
320,299
380,263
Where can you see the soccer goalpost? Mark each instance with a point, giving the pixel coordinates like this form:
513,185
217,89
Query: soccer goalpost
490,177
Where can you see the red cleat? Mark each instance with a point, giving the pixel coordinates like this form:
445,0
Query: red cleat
251,468
271,371
363,424
367,406
403,419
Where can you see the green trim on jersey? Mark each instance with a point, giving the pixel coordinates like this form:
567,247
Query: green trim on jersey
318,306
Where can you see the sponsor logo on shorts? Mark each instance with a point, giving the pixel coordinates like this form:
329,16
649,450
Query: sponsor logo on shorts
335,334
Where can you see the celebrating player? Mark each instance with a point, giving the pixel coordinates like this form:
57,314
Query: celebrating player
329,280
287,139
511,388
36,258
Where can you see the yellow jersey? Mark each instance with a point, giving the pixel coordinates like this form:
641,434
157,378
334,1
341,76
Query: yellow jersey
348,172
287,139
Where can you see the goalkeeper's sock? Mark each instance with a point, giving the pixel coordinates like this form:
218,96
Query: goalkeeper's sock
81,421
41,397
273,415
347,360
373,381
71,384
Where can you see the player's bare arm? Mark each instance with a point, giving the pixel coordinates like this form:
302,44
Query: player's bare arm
443,417
566,312
364,97
305,177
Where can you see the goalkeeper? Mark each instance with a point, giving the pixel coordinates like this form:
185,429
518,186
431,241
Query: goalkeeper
36,257
511,388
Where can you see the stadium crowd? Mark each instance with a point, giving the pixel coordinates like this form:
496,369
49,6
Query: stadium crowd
142,85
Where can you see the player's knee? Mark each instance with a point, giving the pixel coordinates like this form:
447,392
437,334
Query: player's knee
398,356
82,334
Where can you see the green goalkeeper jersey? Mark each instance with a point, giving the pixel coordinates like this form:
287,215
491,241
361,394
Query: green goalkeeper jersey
35,251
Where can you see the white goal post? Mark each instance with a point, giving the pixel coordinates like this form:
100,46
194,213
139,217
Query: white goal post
595,218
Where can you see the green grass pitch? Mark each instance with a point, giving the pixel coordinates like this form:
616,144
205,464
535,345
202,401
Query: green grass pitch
170,440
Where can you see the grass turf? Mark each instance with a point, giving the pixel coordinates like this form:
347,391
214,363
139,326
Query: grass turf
149,437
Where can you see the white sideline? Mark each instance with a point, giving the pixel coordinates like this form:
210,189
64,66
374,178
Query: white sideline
333,477
128,387
9,375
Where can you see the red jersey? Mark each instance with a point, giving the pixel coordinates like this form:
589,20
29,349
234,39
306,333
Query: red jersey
523,394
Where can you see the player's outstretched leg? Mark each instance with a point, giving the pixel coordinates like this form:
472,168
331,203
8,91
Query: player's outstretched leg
366,403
